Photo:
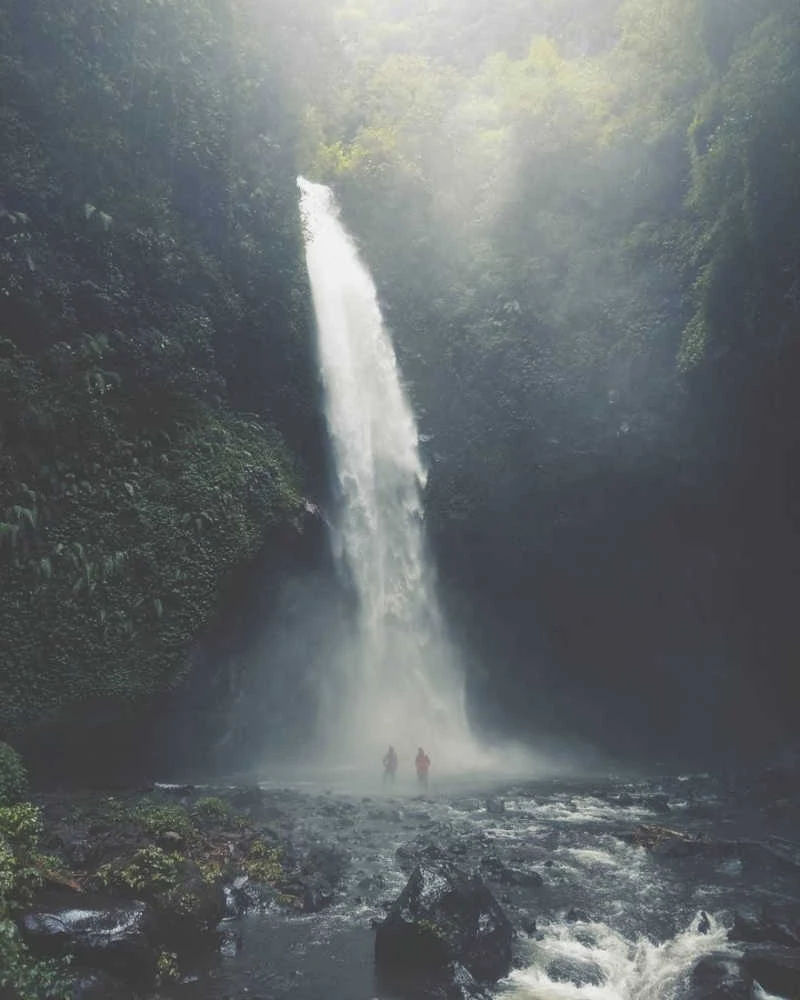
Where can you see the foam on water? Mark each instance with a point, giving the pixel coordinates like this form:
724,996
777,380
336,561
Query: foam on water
614,968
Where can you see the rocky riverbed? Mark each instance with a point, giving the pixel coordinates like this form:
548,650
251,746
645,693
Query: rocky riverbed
683,887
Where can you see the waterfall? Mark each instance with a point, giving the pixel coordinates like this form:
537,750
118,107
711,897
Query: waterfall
397,681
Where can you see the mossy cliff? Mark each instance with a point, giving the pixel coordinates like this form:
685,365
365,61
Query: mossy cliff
158,420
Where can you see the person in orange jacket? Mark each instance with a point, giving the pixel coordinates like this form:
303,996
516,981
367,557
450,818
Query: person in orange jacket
422,762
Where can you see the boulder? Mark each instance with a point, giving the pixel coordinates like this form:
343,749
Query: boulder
190,910
90,984
445,916
245,895
114,935
720,977
313,891
462,985
496,870
573,970
418,852
775,967
767,926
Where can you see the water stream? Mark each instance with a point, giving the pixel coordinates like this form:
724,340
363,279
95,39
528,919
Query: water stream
597,916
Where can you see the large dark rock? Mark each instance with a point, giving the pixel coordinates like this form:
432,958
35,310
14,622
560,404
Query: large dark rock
573,970
116,936
189,911
314,876
720,977
443,916
313,891
496,870
776,968
771,925
94,985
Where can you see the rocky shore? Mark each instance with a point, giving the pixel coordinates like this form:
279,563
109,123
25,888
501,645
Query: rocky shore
140,893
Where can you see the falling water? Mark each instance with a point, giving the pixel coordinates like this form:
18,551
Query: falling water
397,680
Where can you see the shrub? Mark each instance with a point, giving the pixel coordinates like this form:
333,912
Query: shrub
20,862
212,810
13,776
26,978
157,819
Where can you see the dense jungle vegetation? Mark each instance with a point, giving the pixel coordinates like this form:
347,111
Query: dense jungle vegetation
157,397
583,219
582,216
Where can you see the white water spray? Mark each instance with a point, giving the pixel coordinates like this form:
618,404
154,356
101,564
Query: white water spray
398,681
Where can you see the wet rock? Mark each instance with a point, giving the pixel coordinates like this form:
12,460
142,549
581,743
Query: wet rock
574,916
775,967
116,936
495,807
668,843
313,892
315,876
190,910
442,916
230,941
704,924
657,803
245,895
418,852
767,926
461,984
720,977
171,841
372,883
251,798
79,850
468,805
572,970
90,984
495,870
527,925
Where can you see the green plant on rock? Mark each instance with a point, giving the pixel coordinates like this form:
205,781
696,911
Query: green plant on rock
158,819
21,864
167,967
13,776
212,810
151,870
23,977
263,863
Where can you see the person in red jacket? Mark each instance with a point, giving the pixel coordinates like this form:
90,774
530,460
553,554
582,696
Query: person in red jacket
422,762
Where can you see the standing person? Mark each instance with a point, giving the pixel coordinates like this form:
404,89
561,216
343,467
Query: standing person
389,765
422,762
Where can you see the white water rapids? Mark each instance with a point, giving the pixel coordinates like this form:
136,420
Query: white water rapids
396,681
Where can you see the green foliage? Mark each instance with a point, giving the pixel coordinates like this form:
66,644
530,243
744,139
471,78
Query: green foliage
263,863
167,967
150,871
570,208
156,377
24,978
21,864
212,810
156,820
13,776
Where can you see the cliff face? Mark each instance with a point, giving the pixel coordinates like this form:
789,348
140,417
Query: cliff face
158,398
